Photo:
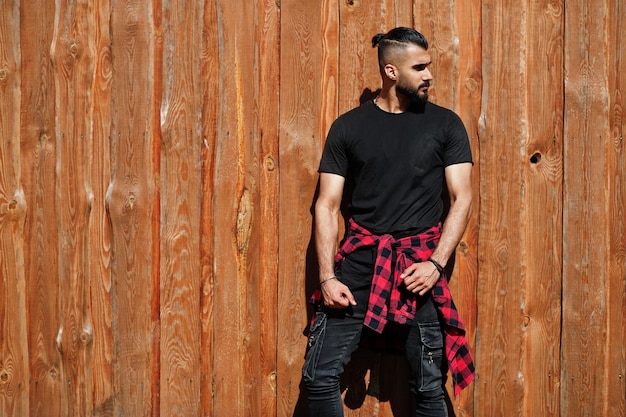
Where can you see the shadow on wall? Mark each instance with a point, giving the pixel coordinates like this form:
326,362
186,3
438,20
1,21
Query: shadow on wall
375,372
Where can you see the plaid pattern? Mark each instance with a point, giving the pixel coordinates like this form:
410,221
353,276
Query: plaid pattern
388,301
458,354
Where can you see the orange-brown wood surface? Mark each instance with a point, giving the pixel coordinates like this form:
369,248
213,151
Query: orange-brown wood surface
158,169
14,360
594,299
38,161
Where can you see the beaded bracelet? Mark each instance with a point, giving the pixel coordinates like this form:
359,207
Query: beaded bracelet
437,265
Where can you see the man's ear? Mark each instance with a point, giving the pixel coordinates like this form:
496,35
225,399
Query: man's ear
391,72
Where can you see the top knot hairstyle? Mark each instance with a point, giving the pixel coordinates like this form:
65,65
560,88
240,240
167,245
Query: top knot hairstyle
394,39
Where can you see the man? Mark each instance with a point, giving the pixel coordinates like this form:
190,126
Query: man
392,155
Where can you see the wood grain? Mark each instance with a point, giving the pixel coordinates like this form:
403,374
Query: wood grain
615,361
72,58
158,166
542,201
179,187
14,369
503,256
359,76
133,210
587,225
38,160
209,84
236,205
99,231
299,151
267,102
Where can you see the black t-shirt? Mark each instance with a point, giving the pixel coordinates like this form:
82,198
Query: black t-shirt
394,164
394,169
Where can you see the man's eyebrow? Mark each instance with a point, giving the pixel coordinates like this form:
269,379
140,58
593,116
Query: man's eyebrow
422,66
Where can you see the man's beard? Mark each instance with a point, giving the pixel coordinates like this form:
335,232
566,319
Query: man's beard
414,94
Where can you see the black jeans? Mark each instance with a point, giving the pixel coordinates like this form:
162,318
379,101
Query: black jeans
335,335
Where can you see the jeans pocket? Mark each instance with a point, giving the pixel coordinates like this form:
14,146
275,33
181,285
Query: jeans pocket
314,345
432,356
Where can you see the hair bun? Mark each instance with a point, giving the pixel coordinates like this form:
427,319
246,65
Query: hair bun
376,39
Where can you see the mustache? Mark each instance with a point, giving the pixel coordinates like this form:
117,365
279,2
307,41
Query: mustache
424,84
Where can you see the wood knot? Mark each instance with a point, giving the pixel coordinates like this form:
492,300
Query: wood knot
471,85
270,165
74,50
130,202
463,247
4,73
4,376
12,207
244,221
85,337
536,158
272,380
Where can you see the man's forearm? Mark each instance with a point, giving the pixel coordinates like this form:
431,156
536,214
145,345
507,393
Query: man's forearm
326,235
453,229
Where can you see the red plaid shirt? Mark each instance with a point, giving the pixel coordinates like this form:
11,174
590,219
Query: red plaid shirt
389,301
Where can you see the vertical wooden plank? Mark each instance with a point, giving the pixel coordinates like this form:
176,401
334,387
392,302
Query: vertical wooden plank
453,30
589,229
403,14
210,107
469,82
237,304
300,148
501,385
179,190
72,57
132,205
359,76
99,231
329,64
615,362
437,22
542,164
38,151
267,76
14,372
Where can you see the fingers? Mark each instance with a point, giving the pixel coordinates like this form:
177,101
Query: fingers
337,295
350,298
420,278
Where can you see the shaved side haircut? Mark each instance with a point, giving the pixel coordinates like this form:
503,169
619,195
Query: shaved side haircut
395,40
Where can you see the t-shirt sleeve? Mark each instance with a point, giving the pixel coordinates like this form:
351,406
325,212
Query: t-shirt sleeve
335,157
458,148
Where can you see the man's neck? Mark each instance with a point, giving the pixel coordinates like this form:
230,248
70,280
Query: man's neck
390,102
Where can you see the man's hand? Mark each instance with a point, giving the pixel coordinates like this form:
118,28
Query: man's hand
420,277
336,294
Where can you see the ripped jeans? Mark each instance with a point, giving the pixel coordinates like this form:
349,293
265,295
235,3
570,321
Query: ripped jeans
335,335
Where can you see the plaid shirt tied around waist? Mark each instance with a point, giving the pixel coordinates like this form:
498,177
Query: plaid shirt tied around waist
390,301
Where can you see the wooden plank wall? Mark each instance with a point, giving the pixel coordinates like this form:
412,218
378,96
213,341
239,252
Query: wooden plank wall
158,168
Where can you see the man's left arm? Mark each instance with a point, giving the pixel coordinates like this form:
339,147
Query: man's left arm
422,277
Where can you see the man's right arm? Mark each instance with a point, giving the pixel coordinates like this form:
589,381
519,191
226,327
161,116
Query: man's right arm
327,206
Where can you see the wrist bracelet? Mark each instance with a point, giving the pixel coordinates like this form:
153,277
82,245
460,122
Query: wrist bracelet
327,279
438,266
